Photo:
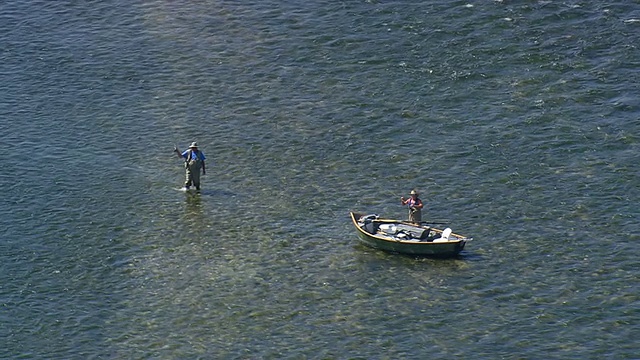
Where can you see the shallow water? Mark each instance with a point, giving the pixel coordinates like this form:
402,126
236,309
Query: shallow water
517,121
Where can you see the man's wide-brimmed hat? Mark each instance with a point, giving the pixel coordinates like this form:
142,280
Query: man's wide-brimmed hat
193,144
413,192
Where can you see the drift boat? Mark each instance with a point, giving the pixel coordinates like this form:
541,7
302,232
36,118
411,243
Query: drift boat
405,237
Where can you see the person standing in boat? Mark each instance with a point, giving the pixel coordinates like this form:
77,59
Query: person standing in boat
193,162
415,206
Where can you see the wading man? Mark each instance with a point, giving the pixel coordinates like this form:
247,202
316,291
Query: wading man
193,162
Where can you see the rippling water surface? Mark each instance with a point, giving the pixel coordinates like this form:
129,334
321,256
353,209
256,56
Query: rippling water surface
517,120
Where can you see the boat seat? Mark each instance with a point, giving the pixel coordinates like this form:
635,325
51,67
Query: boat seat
444,237
425,234
370,227
368,223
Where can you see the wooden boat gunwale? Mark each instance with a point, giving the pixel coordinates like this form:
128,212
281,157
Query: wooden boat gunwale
410,246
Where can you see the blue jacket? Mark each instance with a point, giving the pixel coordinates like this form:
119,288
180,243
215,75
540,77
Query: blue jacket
186,154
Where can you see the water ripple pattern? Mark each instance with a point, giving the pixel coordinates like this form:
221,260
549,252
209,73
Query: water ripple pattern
517,121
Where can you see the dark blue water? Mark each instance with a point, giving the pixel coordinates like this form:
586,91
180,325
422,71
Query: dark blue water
517,121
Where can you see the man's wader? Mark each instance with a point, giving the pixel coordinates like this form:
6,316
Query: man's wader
415,216
192,164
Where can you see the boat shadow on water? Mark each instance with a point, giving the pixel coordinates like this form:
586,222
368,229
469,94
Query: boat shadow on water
464,255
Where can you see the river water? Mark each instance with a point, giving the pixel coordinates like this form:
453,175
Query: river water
517,121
